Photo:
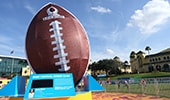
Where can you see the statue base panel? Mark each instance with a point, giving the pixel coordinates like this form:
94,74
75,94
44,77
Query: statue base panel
79,96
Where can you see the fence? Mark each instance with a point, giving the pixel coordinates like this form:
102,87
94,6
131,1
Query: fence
152,86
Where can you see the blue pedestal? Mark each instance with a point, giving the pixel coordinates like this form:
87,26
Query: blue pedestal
90,84
50,86
15,88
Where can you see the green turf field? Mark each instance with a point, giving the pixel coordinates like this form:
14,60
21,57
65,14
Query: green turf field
141,75
162,89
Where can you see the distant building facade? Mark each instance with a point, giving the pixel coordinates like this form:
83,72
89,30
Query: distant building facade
140,62
11,65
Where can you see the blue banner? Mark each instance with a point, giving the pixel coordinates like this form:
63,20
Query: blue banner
50,86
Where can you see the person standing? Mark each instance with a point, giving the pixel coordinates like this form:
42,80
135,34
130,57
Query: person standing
126,84
31,93
108,80
143,85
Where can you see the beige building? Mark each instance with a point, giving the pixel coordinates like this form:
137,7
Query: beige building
141,62
26,71
127,70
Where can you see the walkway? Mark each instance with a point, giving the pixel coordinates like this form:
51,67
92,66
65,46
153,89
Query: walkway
123,96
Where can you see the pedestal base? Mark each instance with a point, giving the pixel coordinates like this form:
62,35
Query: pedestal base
79,96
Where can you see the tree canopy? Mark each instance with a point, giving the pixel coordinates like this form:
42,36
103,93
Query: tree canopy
110,66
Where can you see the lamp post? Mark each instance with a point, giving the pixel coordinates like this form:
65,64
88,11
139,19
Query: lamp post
0,63
12,63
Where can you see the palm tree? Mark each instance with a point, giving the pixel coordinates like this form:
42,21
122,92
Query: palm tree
148,49
125,65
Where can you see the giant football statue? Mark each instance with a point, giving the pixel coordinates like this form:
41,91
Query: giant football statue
56,42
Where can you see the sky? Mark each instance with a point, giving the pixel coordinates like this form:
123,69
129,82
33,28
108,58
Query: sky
114,27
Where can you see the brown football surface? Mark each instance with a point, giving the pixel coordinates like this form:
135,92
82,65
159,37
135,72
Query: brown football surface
56,42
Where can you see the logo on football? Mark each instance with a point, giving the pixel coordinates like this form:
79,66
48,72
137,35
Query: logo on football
56,42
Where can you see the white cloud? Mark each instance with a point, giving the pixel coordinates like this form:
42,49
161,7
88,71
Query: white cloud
154,14
101,9
109,51
96,55
30,9
5,39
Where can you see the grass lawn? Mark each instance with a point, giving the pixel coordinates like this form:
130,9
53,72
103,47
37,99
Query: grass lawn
141,75
162,90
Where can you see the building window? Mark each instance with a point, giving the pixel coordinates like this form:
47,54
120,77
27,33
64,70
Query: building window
153,60
156,59
164,58
150,68
150,60
166,67
158,67
11,65
159,59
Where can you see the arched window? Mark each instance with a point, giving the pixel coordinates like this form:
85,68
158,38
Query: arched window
150,68
159,59
158,67
153,60
166,67
150,60
164,58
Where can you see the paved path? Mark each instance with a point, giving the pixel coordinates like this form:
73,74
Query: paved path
123,96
